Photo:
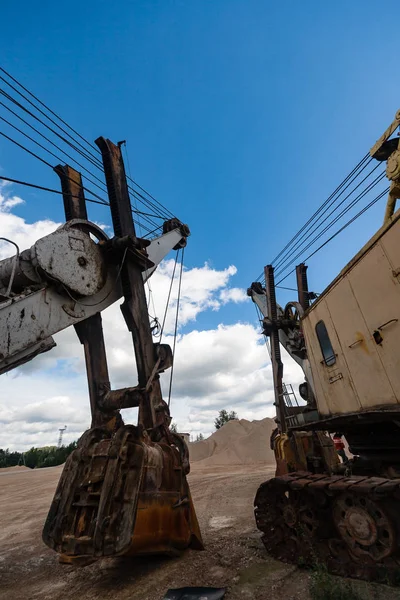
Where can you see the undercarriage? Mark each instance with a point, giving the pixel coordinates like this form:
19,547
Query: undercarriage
348,524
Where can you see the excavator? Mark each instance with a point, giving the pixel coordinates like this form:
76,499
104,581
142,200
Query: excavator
318,510
123,491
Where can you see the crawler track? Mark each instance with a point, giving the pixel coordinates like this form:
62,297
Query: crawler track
349,524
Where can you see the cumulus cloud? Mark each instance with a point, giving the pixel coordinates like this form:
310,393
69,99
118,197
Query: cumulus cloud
34,406
16,228
226,366
233,295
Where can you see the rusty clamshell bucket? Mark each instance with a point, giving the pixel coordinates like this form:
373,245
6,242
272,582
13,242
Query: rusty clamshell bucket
122,494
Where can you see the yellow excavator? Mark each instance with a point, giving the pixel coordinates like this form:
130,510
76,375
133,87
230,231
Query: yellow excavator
317,509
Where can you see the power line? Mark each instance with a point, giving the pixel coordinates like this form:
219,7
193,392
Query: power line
44,137
333,194
102,201
93,158
31,114
34,112
45,115
361,212
46,189
335,220
102,188
312,229
351,177
43,161
48,108
97,165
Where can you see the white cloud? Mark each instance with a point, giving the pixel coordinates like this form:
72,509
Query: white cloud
32,409
233,295
226,366
16,228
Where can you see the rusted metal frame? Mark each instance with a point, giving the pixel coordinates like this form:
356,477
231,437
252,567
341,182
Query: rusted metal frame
134,307
90,331
385,136
277,365
302,286
393,196
73,193
104,402
123,398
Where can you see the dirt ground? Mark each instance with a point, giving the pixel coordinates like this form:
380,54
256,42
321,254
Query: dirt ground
234,557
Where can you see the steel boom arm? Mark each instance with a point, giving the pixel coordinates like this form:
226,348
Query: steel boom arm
46,293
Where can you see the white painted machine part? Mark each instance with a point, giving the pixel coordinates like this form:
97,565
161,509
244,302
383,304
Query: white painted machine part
304,363
28,320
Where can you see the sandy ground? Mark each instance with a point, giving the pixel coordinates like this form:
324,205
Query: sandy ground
234,556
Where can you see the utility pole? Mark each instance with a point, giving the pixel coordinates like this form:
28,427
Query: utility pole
61,430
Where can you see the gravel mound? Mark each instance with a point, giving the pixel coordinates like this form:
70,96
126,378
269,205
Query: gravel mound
239,442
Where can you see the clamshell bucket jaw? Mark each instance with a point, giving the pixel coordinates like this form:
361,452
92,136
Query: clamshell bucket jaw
121,494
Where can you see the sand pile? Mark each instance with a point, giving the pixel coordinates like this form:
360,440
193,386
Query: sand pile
239,442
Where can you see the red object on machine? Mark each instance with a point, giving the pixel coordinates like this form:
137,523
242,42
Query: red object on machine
339,445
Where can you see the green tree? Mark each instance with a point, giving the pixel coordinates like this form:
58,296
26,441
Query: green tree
35,458
224,417
173,427
199,437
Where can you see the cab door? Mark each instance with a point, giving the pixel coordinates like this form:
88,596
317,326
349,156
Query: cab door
377,288
359,349
334,387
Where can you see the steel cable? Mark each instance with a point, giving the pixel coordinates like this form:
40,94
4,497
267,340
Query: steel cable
312,229
361,212
91,146
176,329
93,160
375,182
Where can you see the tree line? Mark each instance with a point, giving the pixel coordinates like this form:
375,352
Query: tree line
35,458
51,456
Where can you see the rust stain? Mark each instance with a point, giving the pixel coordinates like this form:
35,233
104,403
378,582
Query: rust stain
121,494
363,344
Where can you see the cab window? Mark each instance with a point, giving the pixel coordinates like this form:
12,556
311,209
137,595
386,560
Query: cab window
325,344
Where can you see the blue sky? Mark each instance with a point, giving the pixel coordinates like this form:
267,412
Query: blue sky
241,116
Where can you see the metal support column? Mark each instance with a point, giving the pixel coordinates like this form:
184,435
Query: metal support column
134,307
277,365
90,331
302,285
